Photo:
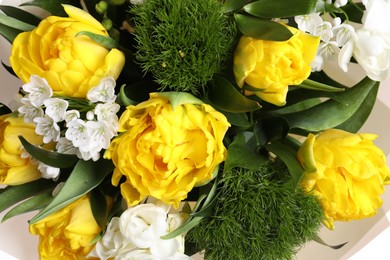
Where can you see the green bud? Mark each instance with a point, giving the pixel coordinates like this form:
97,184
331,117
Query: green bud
107,24
101,7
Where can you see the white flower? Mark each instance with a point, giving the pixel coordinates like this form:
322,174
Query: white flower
38,89
48,172
29,111
309,22
90,115
328,50
324,31
113,244
77,133
340,3
71,115
48,128
56,108
104,92
107,113
317,64
143,225
344,33
65,146
99,135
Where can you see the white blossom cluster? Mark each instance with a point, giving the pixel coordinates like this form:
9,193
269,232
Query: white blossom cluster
58,119
136,234
368,44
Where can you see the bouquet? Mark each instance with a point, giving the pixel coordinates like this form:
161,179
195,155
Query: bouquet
158,129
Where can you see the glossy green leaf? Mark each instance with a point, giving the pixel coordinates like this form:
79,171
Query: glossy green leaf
334,111
85,176
262,29
356,121
240,155
238,119
123,99
99,208
288,155
9,33
284,8
105,41
234,5
54,159
14,194
314,85
225,96
54,7
20,14
299,106
15,23
354,11
37,202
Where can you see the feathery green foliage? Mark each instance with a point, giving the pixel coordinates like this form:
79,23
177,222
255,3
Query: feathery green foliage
257,217
183,43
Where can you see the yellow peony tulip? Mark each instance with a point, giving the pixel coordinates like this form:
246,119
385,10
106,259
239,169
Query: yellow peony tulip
67,234
164,152
14,169
346,171
269,67
71,65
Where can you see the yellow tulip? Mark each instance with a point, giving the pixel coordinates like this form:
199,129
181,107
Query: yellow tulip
346,171
67,234
71,65
14,169
269,67
164,152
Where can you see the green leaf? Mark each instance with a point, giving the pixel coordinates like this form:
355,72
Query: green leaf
314,85
354,11
54,7
234,5
54,159
14,194
15,23
287,154
238,119
356,121
223,95
85,176
262,29
240,155
20,14
9,33
334,111
299,106
4,109
274,128
37,202
105,41
283,8
99,208
123,99
322,242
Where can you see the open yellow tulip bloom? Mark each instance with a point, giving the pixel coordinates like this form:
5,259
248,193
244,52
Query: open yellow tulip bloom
164,152
71,64
348,176
269,67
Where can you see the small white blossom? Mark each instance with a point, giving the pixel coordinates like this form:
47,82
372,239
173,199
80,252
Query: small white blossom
48,128
48,172
309,22
15,103
71,115
107,113
56,108
328,50
99,136
90,115
65,146
38,89
77,133
29,111
344,33
340,3
317,64
88,155
104,92
324,30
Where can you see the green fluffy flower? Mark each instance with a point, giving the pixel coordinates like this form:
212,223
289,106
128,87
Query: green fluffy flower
182,54
257,217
